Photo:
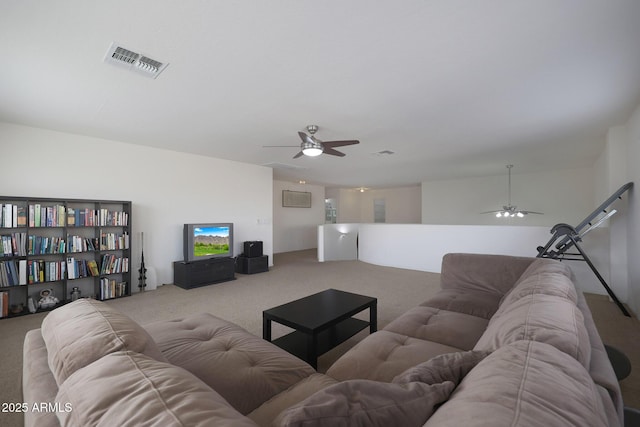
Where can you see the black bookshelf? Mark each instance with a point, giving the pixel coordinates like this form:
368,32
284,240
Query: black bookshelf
59,245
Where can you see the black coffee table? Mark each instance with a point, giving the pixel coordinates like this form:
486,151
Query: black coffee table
321,322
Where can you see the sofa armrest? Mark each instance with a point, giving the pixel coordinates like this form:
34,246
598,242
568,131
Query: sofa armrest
480,272
600,367
38,383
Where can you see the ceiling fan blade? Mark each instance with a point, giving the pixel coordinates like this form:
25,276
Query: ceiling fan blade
531,212
331,151
306,138
340,143
298,155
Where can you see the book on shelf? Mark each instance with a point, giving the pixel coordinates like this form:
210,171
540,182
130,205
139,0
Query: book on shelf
12,215
8,215
4,304
93,267
114,241
111,288
71,217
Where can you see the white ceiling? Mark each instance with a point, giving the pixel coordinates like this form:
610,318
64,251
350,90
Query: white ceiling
455,88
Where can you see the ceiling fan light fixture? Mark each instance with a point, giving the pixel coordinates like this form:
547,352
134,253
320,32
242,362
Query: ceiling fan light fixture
312,150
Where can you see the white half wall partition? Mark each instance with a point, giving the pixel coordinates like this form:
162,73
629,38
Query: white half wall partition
422,246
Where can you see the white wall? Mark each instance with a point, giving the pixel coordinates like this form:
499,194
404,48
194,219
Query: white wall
403,204
633,223
295,229
167,188
564,196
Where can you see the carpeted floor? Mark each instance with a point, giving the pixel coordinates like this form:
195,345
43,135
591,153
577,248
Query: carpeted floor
294,275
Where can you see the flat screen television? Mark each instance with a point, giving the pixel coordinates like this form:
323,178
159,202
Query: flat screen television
208,240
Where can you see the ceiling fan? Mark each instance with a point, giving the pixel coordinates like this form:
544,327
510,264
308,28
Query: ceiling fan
511,211
312,146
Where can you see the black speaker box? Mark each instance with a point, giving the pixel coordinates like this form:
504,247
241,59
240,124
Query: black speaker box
247,265
252,249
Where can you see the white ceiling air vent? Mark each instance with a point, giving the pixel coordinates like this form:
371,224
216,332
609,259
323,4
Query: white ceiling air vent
384,153
133,61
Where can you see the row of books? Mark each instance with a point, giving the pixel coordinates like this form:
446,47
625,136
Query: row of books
13,244
17,244
12,215
40,271
13,273
96,217
22,272
4,304
38,245
78,268
81,244
113,241
46,216
111,264
35,215
110,288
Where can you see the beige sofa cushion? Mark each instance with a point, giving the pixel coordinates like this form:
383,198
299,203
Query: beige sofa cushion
480,272
223,355
526,383
538,317
600,368
442,326
383,355
130,389
475,303
83,331
544,276
367,403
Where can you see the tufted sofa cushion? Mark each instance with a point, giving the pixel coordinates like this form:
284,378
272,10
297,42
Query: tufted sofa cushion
383,355
223,355
85,330
526,383
442,326
130,389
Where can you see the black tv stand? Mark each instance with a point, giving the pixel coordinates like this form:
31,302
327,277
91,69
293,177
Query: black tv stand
193,274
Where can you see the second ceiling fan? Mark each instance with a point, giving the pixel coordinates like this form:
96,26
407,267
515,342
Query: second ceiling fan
312,146
509,210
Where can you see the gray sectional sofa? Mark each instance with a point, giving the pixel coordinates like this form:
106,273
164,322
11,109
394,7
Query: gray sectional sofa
508,341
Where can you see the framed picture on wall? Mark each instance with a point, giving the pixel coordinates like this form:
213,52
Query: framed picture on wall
296,199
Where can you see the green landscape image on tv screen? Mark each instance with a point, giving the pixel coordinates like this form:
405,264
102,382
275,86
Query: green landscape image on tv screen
210,241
